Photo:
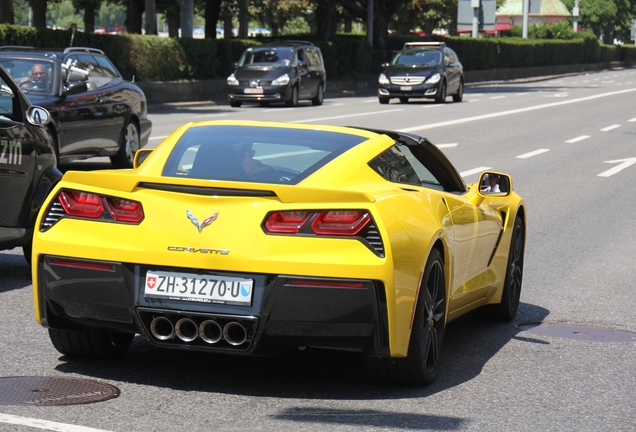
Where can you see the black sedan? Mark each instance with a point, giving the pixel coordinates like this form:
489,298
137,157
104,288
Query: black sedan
95,112
27,165
421,70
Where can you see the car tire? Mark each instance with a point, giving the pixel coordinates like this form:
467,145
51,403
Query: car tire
441,97
93,343
26,251
293,99
457,97
320,96
383,100
507,308
235,104
128,145
422,361
404,100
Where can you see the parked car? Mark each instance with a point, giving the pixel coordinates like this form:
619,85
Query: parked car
242,237
95,112
422,70
283,72
27,165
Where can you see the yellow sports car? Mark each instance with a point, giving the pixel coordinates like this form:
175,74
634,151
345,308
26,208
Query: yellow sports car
251,237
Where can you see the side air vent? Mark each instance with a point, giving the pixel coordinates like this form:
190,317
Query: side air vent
372,236
52,216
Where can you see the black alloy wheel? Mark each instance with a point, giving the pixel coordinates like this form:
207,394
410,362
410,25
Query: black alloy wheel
129,144
507,309
441,97
421,364
320,96
457,97
293,99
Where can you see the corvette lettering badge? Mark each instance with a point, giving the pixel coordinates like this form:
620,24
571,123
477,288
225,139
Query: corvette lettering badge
201,225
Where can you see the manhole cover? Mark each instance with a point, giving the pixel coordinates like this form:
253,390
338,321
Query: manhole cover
577,332
41,391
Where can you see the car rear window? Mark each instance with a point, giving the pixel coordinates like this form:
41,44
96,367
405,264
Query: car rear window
254,153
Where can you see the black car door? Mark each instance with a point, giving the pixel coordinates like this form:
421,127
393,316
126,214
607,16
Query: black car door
19,153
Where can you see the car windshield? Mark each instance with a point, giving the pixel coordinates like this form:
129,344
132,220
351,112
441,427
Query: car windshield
31,75
255,154
418,58
267,57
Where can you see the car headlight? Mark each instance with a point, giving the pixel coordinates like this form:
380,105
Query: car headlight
231,80
383,79
434,79
281,80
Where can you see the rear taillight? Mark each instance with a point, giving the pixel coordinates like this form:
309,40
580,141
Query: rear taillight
93,206
81,204
325,222
125,210
340,222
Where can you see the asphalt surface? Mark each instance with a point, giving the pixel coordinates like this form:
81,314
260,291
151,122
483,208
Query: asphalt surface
566,363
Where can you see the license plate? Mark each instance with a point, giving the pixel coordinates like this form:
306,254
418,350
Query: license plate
406,88
199,288
253,91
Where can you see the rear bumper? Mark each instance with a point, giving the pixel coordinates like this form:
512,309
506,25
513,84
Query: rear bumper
285,310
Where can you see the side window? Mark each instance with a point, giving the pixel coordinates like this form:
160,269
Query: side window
8,103
108,68
88,62
393,165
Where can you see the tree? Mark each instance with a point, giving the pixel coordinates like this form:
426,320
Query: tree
89,7
601,16
383,11
212,13
6,12
151,17
38,8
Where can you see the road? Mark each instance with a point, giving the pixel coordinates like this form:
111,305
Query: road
569,144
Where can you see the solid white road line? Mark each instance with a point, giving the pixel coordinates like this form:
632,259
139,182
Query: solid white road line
442,146
515,111
532,153
348,116
577,139
44,424
473,171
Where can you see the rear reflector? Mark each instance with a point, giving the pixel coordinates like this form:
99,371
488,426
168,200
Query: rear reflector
81,264
325,283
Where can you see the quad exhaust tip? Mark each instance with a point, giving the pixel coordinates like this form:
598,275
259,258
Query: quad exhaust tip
210,331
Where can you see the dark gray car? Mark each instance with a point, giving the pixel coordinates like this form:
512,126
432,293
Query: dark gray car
422,70
283,72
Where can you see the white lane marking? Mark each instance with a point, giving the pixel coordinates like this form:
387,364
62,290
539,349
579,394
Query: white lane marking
515,111
45,424
577,139
632,120
623,163
347,116
498,97
473,171
211,115
609,128
156,138
522,94
532,153
446,145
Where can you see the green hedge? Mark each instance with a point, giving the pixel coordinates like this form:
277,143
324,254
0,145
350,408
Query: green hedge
153,58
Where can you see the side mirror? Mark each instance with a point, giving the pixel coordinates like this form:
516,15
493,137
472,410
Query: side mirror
37,115
75,87
494,183
141,156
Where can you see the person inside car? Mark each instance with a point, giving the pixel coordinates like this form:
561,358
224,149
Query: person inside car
39,78
493,184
